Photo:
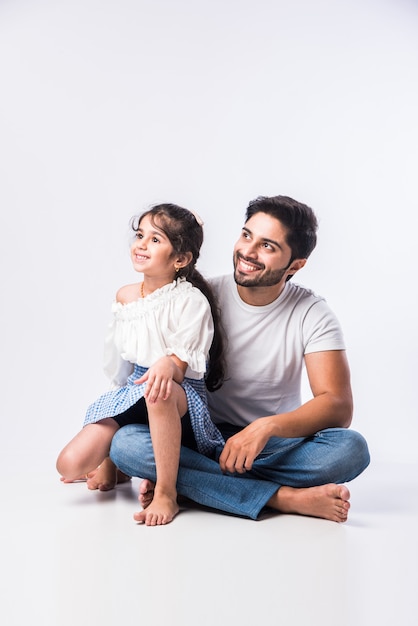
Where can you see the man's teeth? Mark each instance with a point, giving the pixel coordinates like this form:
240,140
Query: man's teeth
247,267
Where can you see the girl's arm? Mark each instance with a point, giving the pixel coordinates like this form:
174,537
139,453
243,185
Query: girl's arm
160,376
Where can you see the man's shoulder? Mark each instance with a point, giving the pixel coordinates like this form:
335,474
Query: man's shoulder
311,307
299,292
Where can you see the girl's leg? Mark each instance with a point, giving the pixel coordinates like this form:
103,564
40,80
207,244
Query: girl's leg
165,427
86,451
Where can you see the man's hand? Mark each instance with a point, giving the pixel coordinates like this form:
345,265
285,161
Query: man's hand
241,449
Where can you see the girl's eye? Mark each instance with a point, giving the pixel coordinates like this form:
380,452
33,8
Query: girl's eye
138,235
155,240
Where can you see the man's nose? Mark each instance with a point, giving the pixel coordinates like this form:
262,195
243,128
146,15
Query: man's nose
250,250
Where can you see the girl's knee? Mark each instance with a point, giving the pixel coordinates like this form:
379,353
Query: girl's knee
68,464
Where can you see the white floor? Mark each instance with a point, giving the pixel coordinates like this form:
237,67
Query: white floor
72,557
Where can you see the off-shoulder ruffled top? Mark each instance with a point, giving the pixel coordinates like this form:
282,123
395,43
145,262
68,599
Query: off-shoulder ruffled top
175,319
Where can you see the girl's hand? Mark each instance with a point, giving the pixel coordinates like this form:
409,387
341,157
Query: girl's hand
159,378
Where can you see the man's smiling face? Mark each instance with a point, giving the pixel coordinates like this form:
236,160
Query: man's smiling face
261,254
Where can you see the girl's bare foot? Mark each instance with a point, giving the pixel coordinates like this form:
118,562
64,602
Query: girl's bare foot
160,510
103,478
106,476
74,480
326,501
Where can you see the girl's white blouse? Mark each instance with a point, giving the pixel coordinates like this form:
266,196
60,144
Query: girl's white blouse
175,319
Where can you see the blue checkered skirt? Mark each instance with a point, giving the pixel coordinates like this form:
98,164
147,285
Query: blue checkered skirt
117,401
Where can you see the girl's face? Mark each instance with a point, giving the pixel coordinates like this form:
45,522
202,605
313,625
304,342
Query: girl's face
152,253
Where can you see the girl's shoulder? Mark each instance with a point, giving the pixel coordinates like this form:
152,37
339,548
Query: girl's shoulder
178,294
128,293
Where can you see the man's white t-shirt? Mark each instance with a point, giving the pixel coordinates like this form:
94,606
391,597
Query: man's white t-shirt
265,348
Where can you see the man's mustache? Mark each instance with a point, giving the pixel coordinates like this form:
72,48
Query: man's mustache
250,261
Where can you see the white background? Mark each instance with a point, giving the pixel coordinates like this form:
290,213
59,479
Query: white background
108,106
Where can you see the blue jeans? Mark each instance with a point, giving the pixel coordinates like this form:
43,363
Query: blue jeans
334,455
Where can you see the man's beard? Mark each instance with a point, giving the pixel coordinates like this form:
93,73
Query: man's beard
266,279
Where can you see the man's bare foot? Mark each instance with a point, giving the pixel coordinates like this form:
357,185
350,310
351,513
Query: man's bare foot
146,493
106,476
160,510
326,501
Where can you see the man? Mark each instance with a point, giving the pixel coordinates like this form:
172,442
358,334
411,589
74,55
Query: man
279,453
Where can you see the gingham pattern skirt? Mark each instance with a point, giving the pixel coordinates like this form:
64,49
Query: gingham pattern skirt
117,401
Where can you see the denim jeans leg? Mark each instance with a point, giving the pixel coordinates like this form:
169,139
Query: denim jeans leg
334,455
199,478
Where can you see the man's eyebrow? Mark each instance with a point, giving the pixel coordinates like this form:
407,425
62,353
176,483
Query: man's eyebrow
266,239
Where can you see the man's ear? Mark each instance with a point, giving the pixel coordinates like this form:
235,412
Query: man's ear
295,266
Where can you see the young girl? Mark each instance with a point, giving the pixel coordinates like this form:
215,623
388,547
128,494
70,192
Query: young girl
164,347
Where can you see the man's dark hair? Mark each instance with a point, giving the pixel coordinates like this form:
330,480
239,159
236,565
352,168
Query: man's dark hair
298,219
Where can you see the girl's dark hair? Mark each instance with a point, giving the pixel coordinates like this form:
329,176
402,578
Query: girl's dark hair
186,235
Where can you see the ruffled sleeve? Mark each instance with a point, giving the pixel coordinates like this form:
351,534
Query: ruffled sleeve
192,337
116,369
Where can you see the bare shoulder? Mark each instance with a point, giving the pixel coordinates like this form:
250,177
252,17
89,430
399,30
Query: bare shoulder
128,293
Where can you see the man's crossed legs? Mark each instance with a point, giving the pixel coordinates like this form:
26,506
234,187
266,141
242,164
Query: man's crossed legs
303,476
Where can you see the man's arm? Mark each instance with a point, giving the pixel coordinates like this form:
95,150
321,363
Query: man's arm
331,407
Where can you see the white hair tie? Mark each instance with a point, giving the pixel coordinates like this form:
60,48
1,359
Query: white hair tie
197,217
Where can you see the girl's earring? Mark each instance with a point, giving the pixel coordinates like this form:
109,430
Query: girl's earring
177,269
